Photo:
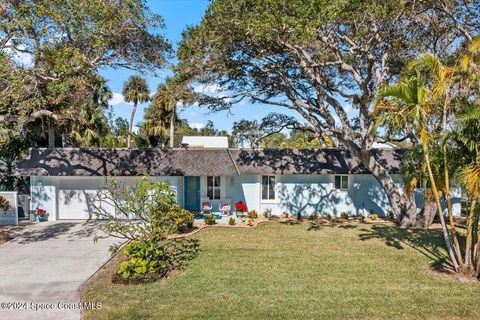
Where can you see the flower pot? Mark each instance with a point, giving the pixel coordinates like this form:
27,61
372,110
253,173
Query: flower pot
44,218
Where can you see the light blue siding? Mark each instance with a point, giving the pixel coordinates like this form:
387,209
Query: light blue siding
309,194
244,188
370,196
65,197
177,185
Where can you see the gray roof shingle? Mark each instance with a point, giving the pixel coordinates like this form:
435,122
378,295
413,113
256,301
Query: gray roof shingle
197,162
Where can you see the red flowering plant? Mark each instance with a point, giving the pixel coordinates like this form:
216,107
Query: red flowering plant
240,206
41,212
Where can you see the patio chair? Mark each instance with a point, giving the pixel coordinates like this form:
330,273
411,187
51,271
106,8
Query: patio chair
206,206
225,207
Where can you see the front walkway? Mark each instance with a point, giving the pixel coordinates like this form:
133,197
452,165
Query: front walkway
46,264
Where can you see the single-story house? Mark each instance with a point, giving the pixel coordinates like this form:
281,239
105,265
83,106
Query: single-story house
305,181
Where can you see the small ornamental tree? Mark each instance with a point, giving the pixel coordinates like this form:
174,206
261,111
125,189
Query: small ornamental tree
145,214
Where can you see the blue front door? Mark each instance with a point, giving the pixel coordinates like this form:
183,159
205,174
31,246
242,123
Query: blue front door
192,193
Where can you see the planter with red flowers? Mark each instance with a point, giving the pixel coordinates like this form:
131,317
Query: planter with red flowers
42,215
240,209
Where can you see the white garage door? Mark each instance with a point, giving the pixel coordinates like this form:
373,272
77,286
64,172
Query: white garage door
73,204
74,194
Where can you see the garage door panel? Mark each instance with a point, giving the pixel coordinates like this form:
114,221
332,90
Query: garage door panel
74,204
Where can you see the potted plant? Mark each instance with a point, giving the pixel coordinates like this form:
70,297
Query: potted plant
42,215
4,204
240,209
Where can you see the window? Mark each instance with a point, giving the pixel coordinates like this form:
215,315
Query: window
341,182
268,187
213,187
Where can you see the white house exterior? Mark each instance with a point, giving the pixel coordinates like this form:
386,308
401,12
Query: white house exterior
325,182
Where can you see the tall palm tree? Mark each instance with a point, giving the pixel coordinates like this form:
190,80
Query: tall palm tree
163,110
411,103
441,80
135,90
466,137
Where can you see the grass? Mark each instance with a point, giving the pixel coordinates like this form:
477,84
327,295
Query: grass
301,271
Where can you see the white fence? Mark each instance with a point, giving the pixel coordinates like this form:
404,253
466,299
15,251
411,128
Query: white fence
9,216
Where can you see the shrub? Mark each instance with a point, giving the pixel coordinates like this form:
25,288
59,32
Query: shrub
267,213
285,214
153,259
329,217
374,216
252,214
313,216
210,219
182,219
147,215
250,223
231,221
344,216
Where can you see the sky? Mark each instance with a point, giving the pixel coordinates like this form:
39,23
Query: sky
178,14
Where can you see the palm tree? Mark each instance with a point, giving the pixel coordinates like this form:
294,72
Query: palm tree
411,103
135,90
165,102
466,137
163,109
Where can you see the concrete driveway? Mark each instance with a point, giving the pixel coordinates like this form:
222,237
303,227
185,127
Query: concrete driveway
44,267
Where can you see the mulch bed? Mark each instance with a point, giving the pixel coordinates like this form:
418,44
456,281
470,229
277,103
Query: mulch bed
7,233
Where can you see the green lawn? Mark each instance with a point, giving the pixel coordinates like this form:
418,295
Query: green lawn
279,271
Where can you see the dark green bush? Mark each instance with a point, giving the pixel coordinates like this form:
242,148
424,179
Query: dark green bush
210,219
344,216
151,260
252,214
231,221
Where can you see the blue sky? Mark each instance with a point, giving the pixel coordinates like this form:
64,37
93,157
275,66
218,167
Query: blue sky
178,14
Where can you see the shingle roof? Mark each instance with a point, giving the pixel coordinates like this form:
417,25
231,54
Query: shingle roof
196,162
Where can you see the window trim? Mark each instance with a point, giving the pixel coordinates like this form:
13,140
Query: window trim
214,187
275,189
342,176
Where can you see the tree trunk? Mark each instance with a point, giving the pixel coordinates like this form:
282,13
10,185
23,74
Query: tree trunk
429,211
51,136
64,139
448,200
477,259
172,129
402,204
446,235
469,256
130,127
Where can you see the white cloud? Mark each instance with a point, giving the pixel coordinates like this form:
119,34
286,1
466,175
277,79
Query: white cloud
117,98
197,125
